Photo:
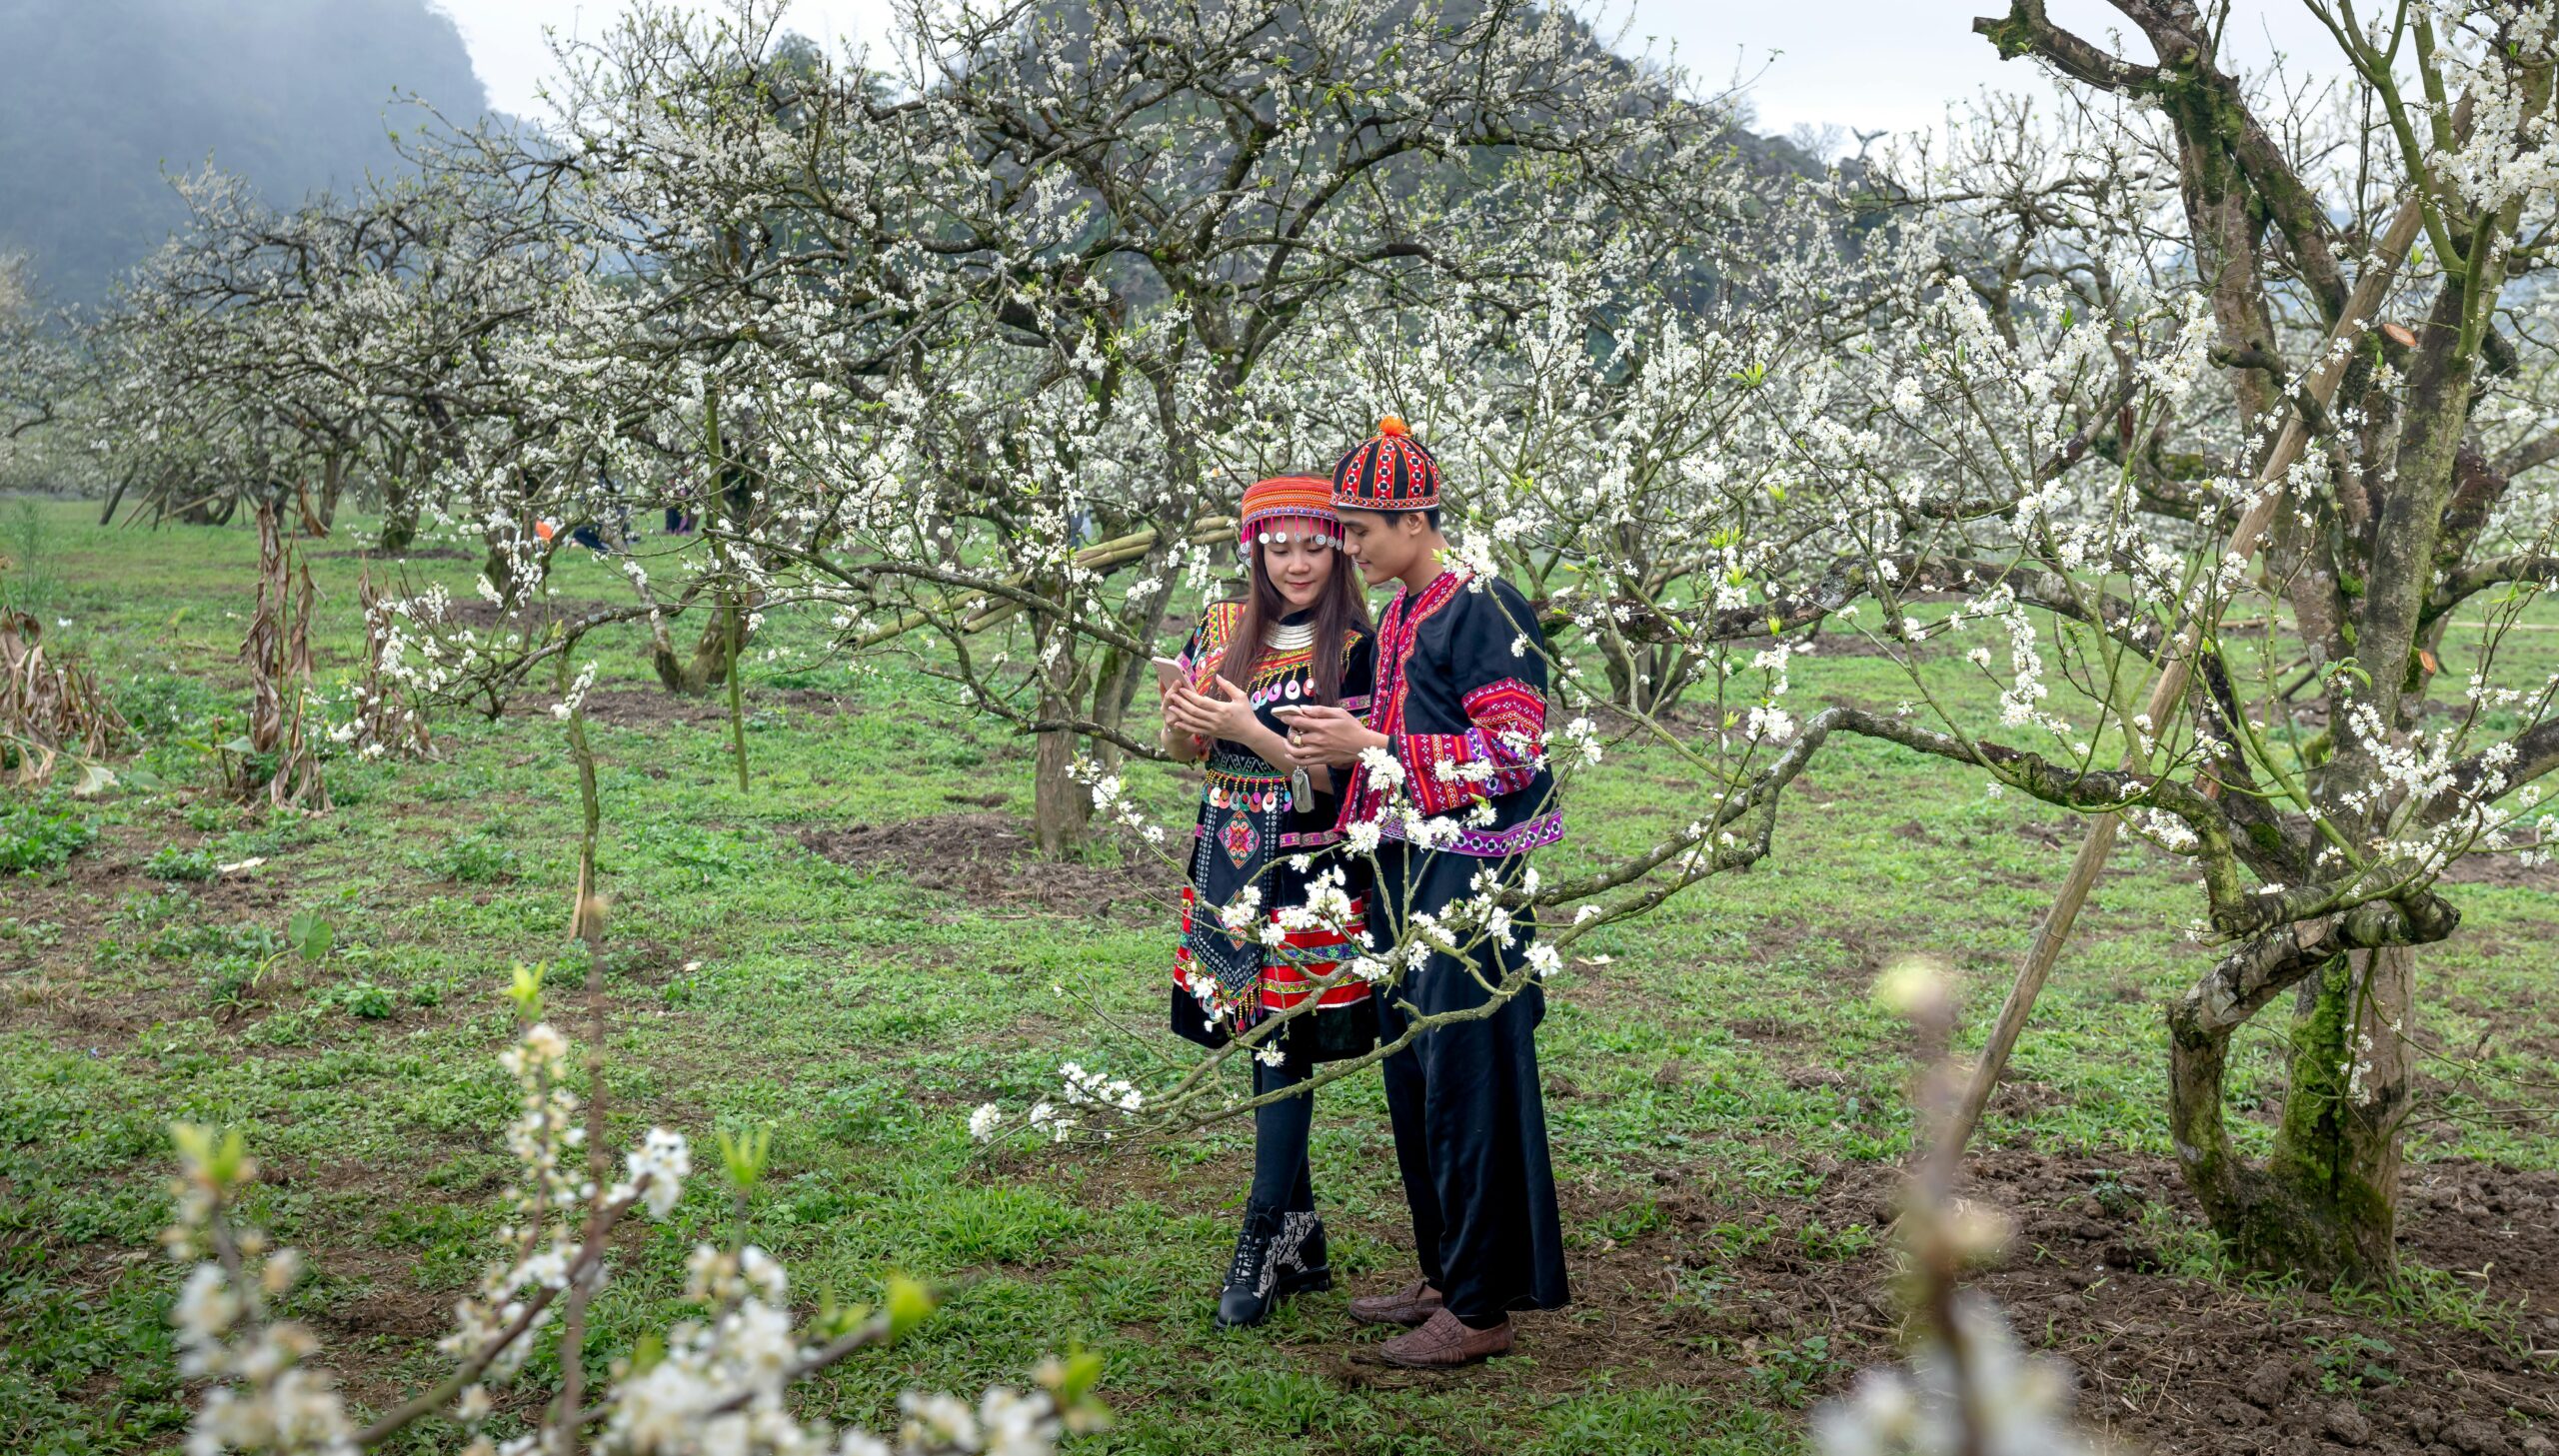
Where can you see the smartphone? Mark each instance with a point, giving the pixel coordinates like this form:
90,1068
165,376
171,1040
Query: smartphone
1167,674
1286,710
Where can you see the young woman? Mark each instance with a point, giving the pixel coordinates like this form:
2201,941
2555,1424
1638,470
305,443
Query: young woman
1299,638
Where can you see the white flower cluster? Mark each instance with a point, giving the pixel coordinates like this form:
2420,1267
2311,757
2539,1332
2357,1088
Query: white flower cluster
1085,1095
576,698
2005,1403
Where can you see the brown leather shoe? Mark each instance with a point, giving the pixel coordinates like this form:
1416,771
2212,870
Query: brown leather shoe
1410,1305
1444,1343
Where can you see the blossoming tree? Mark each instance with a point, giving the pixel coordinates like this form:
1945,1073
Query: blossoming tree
970,350
2148,371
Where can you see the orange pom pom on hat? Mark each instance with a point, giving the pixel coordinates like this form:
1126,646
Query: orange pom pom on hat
1288,507
1389,472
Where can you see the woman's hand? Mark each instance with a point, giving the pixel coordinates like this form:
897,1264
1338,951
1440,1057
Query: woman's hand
1329,737
1220,712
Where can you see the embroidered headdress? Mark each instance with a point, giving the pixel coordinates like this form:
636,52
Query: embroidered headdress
1389,471
1288,507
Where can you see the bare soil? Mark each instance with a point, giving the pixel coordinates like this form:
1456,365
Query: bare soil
412,553
532,614
57,985
989,859
1721,1293
2502,870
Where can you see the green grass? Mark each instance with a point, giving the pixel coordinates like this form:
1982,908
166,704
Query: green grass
1724,1057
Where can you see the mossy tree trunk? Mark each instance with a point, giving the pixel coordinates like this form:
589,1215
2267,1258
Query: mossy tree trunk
2337,1150
2325,1202
2327,1196
399,529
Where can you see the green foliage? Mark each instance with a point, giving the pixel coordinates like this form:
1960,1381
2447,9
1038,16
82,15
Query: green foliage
2350,1363
1820,1242
36,837
161,706
708,854
285,1028
478,857
1791,1373
363,1000
173,862
310,935
231,979
1631,1221
211,815
31,584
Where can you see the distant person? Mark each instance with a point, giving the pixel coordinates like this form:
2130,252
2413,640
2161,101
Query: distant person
1461,706
1299,637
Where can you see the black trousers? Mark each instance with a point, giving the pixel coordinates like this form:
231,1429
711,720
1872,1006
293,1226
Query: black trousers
1469,1118
1283,1178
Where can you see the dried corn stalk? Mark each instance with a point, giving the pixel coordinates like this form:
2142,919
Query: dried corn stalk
49,710
277,651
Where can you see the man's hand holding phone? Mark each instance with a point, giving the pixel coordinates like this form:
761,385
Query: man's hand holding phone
1327,737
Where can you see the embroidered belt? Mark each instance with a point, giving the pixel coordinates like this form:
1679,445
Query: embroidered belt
1228,789
1520,839
1289,841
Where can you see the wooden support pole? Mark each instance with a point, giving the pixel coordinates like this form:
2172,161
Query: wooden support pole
2168,693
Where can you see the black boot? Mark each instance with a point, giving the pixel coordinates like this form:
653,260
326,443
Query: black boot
1276,1255
1304,1262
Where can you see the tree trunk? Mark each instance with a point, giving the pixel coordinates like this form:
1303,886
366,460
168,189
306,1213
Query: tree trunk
1061,811
399,500
1644,678
333,484
399,526
1061,808
498,566
2338,1146
708,665
2326,1203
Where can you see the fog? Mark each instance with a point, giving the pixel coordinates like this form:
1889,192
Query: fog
97,97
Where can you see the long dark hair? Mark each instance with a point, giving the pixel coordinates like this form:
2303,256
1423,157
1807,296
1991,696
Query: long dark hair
1342,605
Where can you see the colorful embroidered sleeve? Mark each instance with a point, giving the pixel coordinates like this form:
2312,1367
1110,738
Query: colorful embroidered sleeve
1500,675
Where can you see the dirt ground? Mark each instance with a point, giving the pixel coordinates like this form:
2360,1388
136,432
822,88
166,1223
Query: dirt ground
2162,1363
988,858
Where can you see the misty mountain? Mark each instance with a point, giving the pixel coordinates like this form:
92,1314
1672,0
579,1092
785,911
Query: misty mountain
97,97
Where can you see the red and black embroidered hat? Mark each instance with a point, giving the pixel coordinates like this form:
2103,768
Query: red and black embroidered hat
1286,507
1389,471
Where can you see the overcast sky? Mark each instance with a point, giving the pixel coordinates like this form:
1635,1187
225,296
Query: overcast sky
1854,63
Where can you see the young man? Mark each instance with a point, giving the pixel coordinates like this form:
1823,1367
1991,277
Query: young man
1461,706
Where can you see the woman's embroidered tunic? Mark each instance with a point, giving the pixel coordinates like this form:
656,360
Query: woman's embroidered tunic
1253,826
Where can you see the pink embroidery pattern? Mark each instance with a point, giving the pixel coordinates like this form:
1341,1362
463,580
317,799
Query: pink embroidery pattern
1242,841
